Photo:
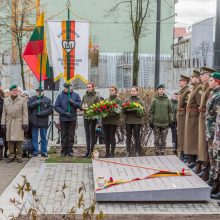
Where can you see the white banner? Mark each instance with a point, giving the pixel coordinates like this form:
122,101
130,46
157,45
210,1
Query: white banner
69,43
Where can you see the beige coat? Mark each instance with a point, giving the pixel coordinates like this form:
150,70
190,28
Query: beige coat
203,147
192,121
181,115
14,115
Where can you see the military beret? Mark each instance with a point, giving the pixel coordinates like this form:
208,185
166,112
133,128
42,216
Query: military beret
195,73
39,89
205,69
215,75
66,85
184,78
13,87
161,86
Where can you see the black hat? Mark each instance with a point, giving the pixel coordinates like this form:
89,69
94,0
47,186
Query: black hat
66,85
39,89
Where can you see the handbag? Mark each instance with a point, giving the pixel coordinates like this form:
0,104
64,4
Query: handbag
27,145
1,142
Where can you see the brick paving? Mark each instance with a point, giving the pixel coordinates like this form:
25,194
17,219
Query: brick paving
55,175
47,178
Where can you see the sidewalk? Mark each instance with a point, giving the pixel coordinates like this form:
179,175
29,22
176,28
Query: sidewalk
8,171
47,178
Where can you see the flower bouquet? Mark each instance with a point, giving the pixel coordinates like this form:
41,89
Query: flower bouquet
133,107
102,109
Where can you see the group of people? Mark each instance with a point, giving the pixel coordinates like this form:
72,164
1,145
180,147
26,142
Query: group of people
198,125
193,114
22,117
68,120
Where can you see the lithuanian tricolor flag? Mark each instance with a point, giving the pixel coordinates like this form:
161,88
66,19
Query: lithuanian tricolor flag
35,54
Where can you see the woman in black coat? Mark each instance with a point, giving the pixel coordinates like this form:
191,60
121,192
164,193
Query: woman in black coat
2,132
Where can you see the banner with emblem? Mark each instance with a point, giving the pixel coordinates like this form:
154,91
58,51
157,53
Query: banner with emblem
69,42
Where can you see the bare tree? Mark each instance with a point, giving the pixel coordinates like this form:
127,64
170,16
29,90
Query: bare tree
203,51
138,11
17,18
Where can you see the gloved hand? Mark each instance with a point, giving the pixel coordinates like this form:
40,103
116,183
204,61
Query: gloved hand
68,114
3,128
36,103
39,114
25,127
151,125
71,102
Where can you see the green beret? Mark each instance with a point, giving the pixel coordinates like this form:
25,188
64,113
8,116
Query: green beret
184,78
196,73
215,75
161,86
13,87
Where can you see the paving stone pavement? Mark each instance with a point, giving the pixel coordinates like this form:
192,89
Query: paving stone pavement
48,178
8,171
54,176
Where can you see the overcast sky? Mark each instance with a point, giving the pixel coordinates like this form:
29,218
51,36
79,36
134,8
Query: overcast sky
191,11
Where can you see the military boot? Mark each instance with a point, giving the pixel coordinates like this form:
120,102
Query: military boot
215,187
216,195
107,153
112,152
198,168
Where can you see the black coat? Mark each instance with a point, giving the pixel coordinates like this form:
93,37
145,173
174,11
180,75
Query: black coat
2,134
46,109
61,106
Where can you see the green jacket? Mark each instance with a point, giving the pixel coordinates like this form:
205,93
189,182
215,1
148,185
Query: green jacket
89,99
133,117
174,105
160,113
112,120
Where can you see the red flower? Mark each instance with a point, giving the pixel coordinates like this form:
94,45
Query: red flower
111,180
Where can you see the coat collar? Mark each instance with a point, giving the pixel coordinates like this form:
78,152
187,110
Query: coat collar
18,98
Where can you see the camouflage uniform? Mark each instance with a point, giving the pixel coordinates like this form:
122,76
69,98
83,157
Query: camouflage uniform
160,117
216,148
160,136
211,116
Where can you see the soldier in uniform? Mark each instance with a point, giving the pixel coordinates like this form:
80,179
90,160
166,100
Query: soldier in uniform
160,118
181,112
211,115
203,163
192,119
216,153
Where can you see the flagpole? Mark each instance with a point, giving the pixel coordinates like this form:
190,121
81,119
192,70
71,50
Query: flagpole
68,4
40,82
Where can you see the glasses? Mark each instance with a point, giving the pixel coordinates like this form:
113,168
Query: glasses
111,90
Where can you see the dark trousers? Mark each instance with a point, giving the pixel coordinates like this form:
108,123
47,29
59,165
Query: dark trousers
89,126
174,135
110,141
136,128
67,136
